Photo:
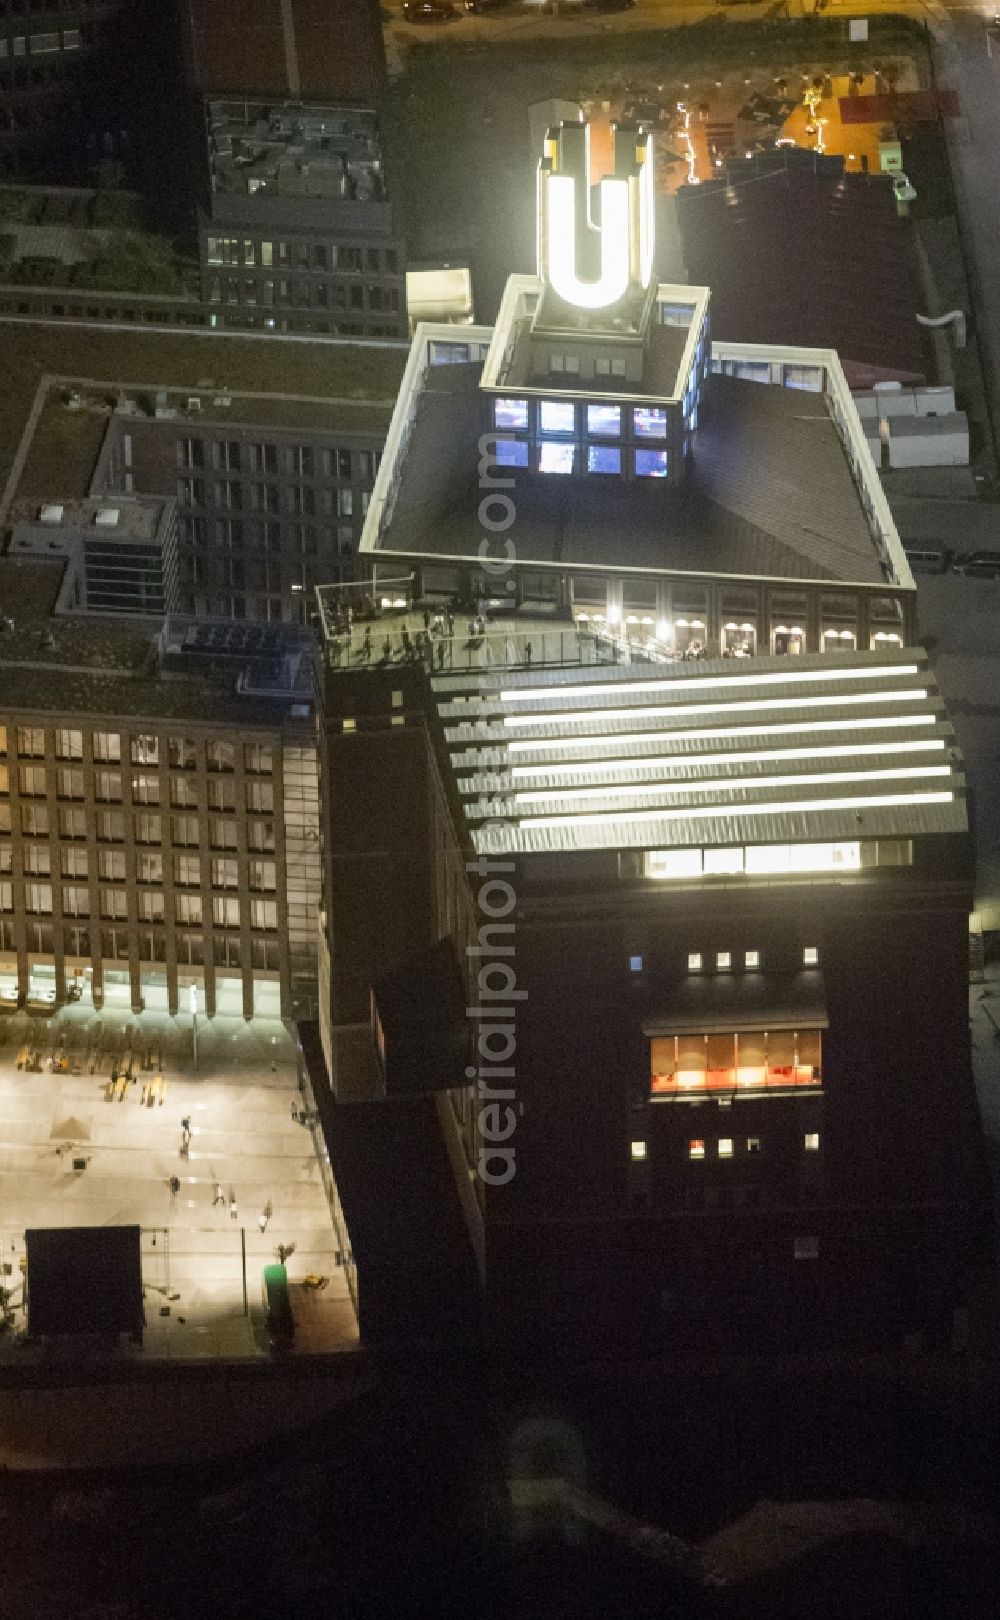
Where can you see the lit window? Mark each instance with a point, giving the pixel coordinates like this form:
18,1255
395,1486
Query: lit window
807,1248
722,862
348,725
752,959
556,458
694,961
753,1144
512,453
810,956
696,1148
723,961
651,464
638,1151
673,863
604,421
557,416
811,1141
510,413
635,964
604,458
649,422
725,1147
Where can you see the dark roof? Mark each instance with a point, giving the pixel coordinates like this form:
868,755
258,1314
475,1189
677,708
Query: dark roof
84,1279
797,257
769,492
241,49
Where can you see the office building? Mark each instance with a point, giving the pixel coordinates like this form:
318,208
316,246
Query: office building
685,820
298,232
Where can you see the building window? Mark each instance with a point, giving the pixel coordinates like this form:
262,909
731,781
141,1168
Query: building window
75,863
69,744
145,750
107,747
186,830
145,788
31,742
725,1147
148,829
555,457
225,911
264,915
694,962
638,1152
108,787
260,797
810,1142
69,784
32,781
696,1147
150,906
149,868
753,1144
635,964
557,416
651,464
181,754
111,865
187,870
604,421
187,910
225,872
810,956
263,876
723,961
512,453
752,959
114,904
221,756
38,897
604,458
649,422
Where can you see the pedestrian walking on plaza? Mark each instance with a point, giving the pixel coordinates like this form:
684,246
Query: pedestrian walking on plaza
232,1204
295,1111
262,1221
175,1186
219,1196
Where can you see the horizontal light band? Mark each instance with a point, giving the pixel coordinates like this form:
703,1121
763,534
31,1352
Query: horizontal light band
884,722
715,812
729,784
666,762
702,683
566,717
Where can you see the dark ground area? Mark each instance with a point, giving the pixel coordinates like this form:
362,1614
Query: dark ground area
398,1507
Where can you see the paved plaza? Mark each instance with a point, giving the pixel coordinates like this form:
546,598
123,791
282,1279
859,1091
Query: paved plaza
75,1151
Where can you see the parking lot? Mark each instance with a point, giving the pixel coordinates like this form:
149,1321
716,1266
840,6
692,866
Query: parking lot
78,1148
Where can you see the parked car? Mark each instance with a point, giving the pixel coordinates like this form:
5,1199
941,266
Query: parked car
903,189
928,560
978,565
428,11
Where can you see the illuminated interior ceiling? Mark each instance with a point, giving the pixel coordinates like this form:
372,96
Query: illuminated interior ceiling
842,747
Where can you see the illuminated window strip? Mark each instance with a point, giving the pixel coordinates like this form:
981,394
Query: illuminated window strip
562,717
883,722
666,762
729,784
534,694
715,812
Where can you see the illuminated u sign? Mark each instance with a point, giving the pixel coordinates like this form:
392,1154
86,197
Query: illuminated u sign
621,247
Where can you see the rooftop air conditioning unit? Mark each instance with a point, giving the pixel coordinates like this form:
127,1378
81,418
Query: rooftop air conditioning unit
51,514
107,517
194,403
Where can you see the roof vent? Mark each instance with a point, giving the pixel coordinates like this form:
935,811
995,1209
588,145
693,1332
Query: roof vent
51,514
107,517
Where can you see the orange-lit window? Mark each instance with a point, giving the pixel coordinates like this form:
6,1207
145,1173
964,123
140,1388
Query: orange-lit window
696,1148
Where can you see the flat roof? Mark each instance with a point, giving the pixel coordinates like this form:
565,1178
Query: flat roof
726,752
281,381
99,517
76,665
769,493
